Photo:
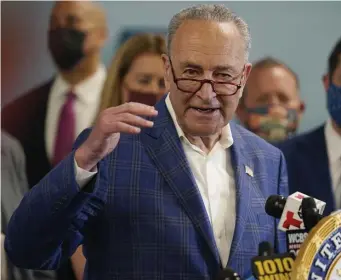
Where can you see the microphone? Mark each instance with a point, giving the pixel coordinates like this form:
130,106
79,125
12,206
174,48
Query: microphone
310,213
274,205
228,274
271,266
289,212
265,249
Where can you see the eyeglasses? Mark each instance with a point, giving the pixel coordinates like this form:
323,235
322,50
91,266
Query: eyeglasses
194,85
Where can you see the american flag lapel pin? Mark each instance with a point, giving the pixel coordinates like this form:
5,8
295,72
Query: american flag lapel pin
248,171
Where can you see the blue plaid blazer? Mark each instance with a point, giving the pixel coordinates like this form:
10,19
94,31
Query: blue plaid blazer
142,216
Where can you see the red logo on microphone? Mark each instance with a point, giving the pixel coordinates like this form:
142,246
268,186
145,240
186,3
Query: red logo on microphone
291,221
299,196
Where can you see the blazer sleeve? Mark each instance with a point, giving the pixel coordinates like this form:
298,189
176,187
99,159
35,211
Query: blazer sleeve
283,189
48,225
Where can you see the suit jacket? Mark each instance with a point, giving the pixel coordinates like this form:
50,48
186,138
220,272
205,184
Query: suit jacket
13,187
24,118
142,216
308,166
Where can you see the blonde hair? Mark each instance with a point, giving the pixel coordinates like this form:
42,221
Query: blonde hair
121,63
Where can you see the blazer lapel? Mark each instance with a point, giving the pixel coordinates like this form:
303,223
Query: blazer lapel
164,147
243,168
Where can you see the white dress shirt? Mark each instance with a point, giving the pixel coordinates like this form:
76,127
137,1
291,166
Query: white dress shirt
88,98
333,142
214,177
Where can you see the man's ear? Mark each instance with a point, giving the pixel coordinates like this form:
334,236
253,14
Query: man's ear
241,112
167,70
326,81
301,110
247,71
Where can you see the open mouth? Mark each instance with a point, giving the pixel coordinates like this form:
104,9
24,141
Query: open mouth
205,110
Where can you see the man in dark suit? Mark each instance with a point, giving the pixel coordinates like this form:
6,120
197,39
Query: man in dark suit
179,195
76,35
47,119
314,158
13,188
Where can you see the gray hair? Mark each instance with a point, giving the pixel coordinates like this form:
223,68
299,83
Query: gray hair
209,12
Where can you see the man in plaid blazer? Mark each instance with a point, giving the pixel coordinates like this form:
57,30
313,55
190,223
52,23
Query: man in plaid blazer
178,193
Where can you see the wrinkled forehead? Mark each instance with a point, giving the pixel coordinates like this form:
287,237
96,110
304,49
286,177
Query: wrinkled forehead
277,73
271,81
208,43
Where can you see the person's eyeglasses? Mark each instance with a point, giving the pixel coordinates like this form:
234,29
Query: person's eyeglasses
194,85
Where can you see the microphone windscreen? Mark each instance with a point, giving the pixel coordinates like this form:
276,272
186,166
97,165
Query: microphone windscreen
265,249
274,205
228,274
308,202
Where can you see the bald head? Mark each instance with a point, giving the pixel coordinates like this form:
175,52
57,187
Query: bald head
86,14
271,81
77,33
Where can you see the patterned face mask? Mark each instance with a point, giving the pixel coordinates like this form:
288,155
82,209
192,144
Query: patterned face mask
272,123
334,103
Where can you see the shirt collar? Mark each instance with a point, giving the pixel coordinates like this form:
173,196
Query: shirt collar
87,90
333,141
226,139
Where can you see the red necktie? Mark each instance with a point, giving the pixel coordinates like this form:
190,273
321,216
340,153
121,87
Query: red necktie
66,129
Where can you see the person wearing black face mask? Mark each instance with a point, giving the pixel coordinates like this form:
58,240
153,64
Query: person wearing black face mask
47,119
66,46
314,158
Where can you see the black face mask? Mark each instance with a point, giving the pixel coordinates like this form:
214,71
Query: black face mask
66,47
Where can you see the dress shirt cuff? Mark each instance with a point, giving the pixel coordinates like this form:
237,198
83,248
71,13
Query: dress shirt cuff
83,176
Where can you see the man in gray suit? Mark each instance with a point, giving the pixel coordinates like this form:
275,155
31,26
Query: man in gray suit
13,187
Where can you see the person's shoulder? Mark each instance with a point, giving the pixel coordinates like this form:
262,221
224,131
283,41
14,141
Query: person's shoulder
251,140
33,95
303,142
21,113
11,148
9,141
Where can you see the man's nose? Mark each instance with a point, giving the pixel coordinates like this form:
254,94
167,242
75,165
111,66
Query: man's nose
206,92
274,100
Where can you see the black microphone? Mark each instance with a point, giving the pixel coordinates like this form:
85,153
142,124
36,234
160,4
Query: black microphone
289,212
310,213
265,249
268,265
228,274
274,205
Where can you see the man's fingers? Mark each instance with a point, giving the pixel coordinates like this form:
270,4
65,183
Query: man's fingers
133,120
126,128
134,108
113,123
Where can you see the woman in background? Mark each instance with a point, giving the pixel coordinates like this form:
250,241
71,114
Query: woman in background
135,74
